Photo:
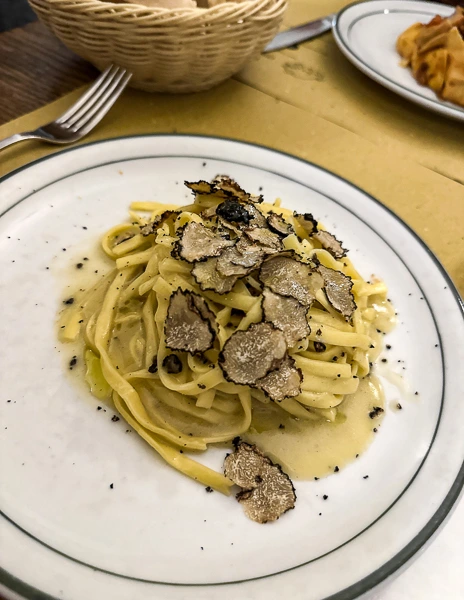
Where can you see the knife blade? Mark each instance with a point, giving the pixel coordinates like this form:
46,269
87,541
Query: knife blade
299,34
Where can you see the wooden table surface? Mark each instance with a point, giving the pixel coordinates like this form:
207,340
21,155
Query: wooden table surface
28,82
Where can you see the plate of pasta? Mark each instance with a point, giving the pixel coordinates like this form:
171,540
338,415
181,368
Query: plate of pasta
414,48
213,377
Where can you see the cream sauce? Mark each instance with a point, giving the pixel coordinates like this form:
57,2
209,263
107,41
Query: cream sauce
385,317
314,448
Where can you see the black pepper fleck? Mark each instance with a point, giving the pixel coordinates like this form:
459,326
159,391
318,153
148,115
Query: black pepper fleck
336,470
375,412
111,486
115,419
209,489
325,497
154,365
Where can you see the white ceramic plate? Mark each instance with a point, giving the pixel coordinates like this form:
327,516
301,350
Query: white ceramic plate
366,33
156,534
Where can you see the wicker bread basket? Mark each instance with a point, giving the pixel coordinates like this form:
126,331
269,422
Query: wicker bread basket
181,50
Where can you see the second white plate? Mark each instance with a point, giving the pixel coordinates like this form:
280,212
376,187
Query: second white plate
366,33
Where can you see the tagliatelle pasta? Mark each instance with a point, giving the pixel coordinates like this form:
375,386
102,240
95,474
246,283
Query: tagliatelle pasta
218,307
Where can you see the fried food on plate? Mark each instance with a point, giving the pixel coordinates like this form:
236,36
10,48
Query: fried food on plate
435,53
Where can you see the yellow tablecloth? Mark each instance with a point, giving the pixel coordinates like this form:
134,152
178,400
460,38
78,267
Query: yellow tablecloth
312,103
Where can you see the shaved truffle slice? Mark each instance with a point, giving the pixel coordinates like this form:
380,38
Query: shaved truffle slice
200,187
265,238
202,307
257,217
189,323
247,253
209,278
284,382
338,289
227,263
307,221
246,465
231,188
268,492
289,277
271,499
279,225
233,211
154,225
250,355
330,243
222,186
197,242
287,314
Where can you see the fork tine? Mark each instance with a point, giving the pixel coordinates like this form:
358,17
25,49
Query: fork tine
104,106
86,95
102,92
101,102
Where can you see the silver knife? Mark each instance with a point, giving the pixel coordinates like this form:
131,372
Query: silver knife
299,34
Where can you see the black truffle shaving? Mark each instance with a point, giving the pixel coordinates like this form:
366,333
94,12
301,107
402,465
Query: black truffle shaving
257,217
268,240
279,225
250,355
228,264
172,364
284,382
231,188
338,286
307,221
289,277
154,225
208,277
190,324
223,187
201,187
197,243
330,243
233,211
287,314
249,253
267,492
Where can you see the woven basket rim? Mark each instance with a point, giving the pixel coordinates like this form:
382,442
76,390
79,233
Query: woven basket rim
229,6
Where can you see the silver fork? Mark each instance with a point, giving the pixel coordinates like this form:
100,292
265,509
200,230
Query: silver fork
84,115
